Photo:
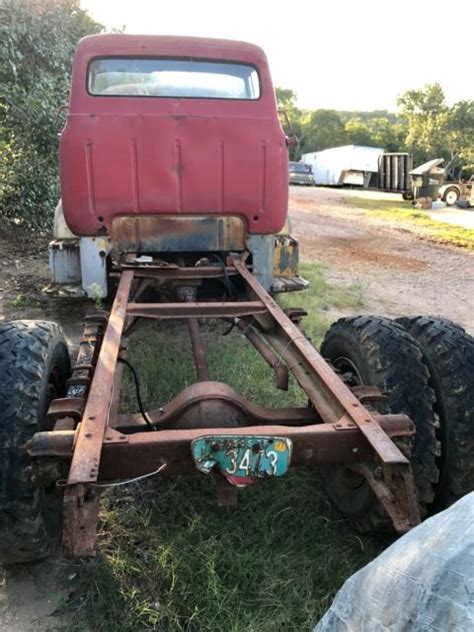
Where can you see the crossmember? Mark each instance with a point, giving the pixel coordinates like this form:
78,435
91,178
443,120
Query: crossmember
103,445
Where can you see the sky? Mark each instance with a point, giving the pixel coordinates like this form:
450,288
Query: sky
337,54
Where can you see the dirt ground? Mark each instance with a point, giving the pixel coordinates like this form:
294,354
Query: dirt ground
25,283
398,273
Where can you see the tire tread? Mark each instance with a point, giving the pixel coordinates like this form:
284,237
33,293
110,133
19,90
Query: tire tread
26,350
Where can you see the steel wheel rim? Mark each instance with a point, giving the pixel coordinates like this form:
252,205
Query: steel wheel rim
451,198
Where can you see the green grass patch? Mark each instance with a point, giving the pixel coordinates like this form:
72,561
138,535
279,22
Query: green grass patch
161,352
411,217
171,560
21,301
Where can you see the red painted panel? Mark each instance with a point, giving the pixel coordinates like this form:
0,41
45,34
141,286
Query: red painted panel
125,155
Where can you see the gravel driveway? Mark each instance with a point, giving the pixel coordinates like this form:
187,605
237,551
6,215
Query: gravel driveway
399,272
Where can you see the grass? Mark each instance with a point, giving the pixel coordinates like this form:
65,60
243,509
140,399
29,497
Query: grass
171,560
21,302
170,369
411,217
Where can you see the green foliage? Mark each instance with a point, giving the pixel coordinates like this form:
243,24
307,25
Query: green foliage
376,132
37,40
461,132
425,126
426,115
290,117
358,131
437,131
367,116
286,98
322,129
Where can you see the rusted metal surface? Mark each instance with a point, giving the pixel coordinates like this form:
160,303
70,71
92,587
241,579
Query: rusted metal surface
176,273
331,397
81,511
66,407
175,233
114,406
397,494
212,404
107,446
86,459
280,369
52,443
200,362
295,314
96,319
368,394
127,456
195,310
77,387
227,494
285,256
142,452
66,423
400,479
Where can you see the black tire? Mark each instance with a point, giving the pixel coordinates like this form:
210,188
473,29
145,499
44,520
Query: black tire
34,366
377,351
449,354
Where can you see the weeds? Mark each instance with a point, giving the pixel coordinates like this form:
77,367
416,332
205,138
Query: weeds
21,301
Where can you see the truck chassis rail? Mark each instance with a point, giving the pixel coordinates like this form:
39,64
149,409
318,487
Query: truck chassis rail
100,445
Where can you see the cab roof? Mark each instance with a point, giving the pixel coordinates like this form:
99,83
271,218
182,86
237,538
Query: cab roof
117,44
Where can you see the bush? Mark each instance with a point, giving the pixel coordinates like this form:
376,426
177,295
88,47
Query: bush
37,41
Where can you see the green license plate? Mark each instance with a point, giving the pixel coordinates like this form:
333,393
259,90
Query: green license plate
242,459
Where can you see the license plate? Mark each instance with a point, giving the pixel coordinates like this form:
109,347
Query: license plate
242,459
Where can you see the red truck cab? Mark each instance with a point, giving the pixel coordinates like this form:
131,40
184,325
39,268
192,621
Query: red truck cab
173,144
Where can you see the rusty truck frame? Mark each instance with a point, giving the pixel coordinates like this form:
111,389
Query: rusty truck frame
180,186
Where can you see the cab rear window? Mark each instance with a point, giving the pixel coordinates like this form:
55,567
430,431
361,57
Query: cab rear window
188,78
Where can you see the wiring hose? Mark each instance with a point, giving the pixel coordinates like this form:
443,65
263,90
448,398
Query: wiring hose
137,393
227,281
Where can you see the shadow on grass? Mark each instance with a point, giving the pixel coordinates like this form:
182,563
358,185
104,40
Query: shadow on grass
171,560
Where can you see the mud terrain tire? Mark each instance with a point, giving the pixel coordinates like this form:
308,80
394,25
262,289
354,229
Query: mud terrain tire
34,367
448,352
376,351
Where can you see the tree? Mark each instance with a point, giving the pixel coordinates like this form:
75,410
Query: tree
461,134
387,135
323,129
37,40
358,132
290,117
286,98
376,131
437,131
426,115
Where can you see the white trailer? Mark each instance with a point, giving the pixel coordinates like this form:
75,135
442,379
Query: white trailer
349,164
